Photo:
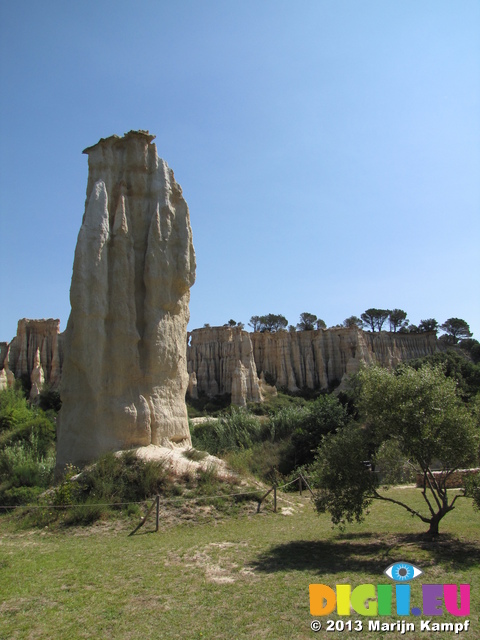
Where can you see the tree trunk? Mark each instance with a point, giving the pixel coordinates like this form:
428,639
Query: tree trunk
435,520
434,526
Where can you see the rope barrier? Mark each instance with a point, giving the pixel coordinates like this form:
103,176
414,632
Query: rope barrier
121,504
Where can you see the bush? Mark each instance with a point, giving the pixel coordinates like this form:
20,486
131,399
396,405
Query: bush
195,454
14,410
472,486
19,423
324,415
455,365
239,430
264,460
49,399
123,478
286,421
274,403
20,495
22,465
204,404
86,514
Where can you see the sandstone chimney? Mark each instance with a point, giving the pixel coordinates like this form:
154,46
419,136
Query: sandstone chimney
124,372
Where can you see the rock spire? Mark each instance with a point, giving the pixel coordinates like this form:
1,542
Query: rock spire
124,371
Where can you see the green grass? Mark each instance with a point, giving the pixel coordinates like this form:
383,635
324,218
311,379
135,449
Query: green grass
244,577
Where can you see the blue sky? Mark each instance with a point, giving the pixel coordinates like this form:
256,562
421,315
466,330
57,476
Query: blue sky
329,150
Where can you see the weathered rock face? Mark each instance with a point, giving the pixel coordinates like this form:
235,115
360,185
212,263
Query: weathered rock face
222,360
3,352
292,360
320,359
36,339
124,373
37,377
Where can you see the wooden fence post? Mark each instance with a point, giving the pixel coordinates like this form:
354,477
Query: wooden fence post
262,499
300,484
306,484
143,520
275,498
158,512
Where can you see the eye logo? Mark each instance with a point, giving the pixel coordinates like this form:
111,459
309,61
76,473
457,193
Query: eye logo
402,571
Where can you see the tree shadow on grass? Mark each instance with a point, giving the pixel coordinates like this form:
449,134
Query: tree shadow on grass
369,553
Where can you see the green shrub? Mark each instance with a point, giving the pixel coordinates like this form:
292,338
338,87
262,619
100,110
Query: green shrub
207,481
14,410
49,399
20,495
195,454
324,415
238,430
67,492
22,465
124,478
263,460
286,421
133,510
274,403
204,404
86,513
472,487
39,427
293,475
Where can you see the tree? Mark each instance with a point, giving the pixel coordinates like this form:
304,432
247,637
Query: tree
412,328
456,329
428,325
353,321
234,323
324,415
320,324
397,319
457,366
255,323
375,318
472,347
307,322
422,412
273,322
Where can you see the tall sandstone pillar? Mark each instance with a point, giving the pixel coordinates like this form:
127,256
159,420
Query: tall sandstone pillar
125,373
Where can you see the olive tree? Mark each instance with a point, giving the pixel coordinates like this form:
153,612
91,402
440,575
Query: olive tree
421,411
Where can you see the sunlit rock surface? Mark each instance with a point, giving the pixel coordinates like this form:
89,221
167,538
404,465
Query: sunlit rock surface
124,371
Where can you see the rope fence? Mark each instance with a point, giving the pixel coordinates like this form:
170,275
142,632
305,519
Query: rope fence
300,479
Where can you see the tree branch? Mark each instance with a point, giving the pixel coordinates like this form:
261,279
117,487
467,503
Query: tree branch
377,496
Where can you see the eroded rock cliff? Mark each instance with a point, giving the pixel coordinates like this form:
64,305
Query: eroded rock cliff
320,359
220,360
38,344
125,372
292,360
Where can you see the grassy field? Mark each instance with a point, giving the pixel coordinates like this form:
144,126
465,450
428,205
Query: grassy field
244,577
